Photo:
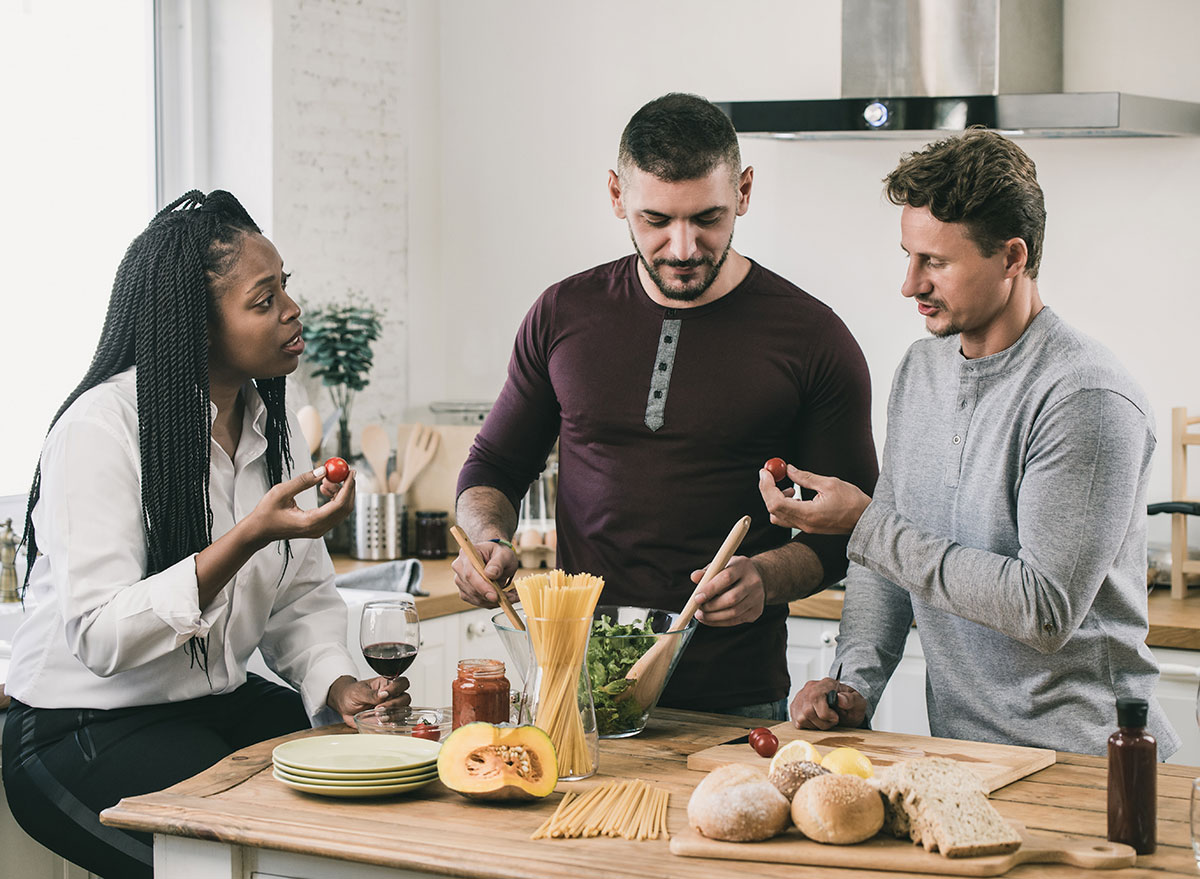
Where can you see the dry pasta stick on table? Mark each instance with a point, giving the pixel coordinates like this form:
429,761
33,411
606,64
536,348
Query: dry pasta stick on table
630,809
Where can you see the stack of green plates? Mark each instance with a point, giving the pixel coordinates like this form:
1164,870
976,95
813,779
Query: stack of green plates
356,765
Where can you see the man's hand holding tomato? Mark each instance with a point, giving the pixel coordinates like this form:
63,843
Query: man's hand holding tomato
835,509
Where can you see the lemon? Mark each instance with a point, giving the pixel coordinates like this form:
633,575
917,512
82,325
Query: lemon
848,761
796,751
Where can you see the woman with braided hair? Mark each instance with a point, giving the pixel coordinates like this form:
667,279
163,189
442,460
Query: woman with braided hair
175,538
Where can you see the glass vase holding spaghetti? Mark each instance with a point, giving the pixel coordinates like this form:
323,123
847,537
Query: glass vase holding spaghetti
558,696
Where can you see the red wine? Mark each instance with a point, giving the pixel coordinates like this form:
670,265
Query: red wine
390,658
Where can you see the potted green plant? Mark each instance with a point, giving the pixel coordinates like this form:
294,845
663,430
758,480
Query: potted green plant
337,338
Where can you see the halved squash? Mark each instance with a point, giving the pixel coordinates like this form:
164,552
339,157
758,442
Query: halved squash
483,761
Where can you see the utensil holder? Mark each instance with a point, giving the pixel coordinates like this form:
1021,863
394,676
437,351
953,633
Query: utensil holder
378,527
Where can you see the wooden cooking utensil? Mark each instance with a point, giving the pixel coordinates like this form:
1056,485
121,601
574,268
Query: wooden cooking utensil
421,447
376,449
394,479
310,426
477,562
649,672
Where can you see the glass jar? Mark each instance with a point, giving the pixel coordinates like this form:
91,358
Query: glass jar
557,697
431,534
480,692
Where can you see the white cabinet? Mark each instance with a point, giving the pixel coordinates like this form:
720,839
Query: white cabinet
810,650
902,709
810,647
1179,677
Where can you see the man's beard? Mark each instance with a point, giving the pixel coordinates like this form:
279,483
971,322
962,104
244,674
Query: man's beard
694,290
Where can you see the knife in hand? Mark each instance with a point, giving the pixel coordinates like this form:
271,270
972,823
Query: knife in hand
831,695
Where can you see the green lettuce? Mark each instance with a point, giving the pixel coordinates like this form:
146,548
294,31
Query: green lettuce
609,658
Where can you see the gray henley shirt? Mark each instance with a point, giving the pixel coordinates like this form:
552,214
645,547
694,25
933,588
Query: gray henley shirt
1010,522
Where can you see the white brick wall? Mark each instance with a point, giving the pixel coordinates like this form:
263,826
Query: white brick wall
340,162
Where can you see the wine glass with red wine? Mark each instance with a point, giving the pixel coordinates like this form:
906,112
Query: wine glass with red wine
389,635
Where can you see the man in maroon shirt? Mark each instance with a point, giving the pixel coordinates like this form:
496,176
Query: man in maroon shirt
669,376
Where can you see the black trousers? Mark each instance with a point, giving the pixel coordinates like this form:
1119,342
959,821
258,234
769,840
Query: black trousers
63,766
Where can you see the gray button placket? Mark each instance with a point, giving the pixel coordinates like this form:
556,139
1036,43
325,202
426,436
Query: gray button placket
660,375
964,410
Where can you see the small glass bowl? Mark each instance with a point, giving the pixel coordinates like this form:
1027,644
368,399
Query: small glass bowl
403,722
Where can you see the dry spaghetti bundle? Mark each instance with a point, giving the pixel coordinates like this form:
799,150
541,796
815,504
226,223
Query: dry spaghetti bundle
558,611
632,809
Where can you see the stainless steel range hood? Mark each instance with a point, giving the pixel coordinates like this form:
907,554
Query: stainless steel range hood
920,68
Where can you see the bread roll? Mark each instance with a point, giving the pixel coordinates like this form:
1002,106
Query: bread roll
738,804
790,776
841,809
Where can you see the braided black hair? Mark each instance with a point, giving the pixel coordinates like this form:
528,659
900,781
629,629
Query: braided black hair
158,316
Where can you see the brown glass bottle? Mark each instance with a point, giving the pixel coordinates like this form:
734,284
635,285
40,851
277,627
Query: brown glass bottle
1132,779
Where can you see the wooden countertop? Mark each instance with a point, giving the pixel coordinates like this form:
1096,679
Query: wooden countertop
1173,623
239,803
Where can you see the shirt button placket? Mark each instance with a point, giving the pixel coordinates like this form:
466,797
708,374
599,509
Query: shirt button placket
660,375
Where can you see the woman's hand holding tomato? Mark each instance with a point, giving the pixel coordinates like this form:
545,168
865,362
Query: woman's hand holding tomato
277,516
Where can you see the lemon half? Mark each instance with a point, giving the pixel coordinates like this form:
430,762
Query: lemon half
796,751
848,761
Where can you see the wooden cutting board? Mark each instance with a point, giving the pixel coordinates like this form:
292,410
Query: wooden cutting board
435,487
997,765
888,853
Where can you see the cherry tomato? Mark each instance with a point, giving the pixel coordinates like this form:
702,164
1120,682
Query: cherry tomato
777,468
426,731
336,469
764,742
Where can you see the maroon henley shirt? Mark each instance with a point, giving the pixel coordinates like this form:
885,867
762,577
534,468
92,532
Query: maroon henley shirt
664,417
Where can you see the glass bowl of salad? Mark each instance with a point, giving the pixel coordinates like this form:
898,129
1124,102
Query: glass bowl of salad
620,635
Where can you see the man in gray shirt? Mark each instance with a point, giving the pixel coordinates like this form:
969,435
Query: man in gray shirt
1009,520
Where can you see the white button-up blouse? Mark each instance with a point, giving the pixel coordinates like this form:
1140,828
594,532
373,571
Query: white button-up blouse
102,634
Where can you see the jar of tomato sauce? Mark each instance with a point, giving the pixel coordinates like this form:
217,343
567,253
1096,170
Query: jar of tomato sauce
480,692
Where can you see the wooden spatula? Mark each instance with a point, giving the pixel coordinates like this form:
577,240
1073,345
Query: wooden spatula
376,449
649,672
422,446
468,547
310,426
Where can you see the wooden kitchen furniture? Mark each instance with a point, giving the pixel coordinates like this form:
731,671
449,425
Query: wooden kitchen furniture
235,821
1182,436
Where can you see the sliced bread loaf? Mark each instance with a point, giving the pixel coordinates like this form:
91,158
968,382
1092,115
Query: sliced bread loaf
942,805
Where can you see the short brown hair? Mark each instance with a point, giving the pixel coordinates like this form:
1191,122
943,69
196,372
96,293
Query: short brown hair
679,137
982,180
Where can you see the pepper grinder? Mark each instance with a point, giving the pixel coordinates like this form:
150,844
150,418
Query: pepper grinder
8,564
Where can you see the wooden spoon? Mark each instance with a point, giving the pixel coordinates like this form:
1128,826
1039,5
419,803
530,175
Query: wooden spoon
649,672
376,449
477,562
422,446
310,426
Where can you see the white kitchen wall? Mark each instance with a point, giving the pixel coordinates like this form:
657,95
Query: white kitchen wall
340,178
449,160
534,95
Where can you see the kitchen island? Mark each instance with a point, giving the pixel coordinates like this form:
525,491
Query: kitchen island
235,821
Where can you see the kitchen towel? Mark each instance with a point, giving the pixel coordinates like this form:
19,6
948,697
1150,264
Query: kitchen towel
403,575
